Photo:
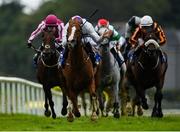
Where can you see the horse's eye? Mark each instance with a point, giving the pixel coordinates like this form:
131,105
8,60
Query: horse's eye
73,41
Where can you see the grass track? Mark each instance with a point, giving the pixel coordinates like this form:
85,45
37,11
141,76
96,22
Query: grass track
28,122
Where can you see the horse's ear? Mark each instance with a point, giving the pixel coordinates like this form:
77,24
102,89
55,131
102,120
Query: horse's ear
70,21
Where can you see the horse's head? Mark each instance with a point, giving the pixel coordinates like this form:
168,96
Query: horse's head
74,32
107,33
151,48
49,52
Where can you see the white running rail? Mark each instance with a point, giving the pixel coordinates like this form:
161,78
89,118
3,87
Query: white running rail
22,96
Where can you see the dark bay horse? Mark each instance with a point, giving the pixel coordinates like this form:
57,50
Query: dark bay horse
49,74
78,72
148,71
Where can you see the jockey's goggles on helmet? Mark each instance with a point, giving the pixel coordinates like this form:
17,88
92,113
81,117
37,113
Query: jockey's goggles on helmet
50,28
147,28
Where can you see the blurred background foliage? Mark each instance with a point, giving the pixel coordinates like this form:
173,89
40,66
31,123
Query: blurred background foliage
16,26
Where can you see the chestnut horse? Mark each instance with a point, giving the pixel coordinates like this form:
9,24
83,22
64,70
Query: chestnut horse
78,71
49,74
148,71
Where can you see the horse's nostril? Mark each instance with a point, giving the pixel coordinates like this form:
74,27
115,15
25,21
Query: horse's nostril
73,41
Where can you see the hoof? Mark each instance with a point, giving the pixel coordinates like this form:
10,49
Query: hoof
47,113
54,116
64,111
145,106
94,116
157,113
116,115
70,117
139,112
160,115
77,114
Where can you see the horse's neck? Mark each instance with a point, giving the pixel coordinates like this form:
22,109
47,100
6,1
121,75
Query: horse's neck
78,56
148,62
107,59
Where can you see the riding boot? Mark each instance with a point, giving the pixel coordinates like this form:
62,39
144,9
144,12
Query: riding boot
94,57
61,51
162,56
65,55
135,55
117,57
36,56
127,49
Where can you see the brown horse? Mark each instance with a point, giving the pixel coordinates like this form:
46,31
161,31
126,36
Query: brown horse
79,73
49,74
148,71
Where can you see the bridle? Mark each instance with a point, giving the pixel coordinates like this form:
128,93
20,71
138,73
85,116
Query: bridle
147,51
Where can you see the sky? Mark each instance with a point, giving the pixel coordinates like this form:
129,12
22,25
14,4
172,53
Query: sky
30,5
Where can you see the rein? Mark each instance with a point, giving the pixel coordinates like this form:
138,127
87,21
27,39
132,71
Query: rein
155,66
46,65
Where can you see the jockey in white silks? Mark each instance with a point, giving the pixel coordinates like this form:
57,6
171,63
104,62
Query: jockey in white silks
90,39
116,41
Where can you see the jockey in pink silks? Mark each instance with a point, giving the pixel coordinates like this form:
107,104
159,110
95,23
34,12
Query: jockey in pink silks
50,23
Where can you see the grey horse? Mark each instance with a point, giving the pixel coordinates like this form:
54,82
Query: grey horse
109,79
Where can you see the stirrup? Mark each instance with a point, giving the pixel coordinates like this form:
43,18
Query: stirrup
34,64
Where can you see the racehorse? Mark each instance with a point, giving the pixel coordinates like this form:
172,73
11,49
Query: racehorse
109,76
49,74
148,71
78,71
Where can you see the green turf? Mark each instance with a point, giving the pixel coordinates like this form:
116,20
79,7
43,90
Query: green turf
28,122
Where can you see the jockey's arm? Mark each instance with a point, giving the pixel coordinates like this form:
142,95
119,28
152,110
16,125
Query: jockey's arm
38,31
161,36
134,38
116,36
134,20
89,29
60,32
121,42
64,34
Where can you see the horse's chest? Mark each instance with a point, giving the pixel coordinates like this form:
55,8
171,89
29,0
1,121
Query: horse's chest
147,78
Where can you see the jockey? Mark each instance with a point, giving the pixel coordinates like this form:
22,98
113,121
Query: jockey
148,26
90,38
50,23
130,28
116,40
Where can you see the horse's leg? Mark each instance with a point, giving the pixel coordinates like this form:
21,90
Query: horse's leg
101,102
157,110
74,101
136,102
65,104
51,103
116,100
92,90
70,116
124,99
110,102
139,110
84,103
141,94
47,112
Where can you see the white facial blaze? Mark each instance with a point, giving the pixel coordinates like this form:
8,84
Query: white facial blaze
72,34
102,30
152,41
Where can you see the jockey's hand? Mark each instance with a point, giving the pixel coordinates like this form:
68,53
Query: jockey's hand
29,45
60,48
107,34
118,46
